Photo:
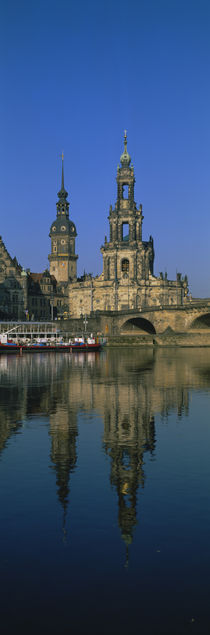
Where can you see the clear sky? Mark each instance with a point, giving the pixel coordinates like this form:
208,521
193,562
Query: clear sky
73,77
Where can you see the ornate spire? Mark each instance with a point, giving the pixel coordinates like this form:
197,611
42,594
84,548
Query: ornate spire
125,157
62,194
62,178
125,140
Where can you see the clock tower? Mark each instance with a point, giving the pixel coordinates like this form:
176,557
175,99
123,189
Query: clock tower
63,260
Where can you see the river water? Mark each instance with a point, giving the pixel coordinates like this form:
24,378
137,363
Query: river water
105,492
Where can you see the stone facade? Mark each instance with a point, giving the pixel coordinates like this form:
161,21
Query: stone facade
25,295
13,287
41,296
127,281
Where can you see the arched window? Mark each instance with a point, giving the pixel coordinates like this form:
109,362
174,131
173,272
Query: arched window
125,229
108,268
125,265
125,191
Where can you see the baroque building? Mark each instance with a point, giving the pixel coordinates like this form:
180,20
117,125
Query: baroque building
13,287
41,296
127,280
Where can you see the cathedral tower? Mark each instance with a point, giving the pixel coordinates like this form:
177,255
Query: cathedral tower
127,281
63,260
126,256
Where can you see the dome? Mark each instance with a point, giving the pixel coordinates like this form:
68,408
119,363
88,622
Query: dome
125,158
63,225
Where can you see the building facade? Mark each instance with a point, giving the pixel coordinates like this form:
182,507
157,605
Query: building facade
127,281
13,287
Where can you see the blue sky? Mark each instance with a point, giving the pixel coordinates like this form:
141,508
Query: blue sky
73,77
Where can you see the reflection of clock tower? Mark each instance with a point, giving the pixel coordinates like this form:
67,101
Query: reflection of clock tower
63,261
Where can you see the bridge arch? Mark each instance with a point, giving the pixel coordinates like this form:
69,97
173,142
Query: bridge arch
137,325
201,322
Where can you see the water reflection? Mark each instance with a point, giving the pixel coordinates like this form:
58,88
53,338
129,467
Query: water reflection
127,388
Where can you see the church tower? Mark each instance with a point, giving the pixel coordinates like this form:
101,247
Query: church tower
63,260
126,256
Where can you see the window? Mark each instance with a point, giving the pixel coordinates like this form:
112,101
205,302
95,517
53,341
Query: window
108,268
125,265
125,232
125,191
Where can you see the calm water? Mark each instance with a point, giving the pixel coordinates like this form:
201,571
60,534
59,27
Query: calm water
105,493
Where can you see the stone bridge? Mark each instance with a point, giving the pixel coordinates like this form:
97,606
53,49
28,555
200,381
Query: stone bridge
191,317
157,320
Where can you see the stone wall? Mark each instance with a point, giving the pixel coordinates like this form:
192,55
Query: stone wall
183,340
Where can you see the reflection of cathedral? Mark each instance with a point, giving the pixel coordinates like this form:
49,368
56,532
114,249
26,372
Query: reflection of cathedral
126,391
128,434
63,431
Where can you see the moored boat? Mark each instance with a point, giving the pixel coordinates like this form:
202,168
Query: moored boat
77,345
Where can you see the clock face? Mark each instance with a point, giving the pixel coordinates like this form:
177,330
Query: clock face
54,228
63,228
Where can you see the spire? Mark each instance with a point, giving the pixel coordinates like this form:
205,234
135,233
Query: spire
62,194
125,157
62,179
125,141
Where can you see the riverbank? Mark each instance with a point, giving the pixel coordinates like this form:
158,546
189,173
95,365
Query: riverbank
170,339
